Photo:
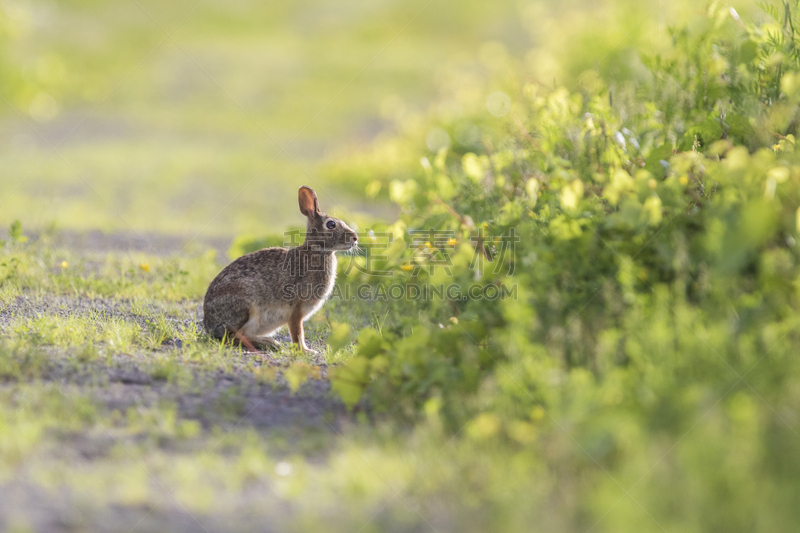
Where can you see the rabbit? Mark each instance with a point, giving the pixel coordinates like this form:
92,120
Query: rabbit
262,291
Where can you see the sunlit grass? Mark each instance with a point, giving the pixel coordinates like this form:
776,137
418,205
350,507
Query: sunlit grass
76,330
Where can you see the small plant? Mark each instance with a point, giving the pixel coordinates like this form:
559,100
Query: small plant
159,330
15,233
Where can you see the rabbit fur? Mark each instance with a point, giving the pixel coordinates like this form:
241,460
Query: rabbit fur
262,291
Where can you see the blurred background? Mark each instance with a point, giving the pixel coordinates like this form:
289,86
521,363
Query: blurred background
184,116
203,116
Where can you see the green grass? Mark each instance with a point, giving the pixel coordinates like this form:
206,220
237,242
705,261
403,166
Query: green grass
71,331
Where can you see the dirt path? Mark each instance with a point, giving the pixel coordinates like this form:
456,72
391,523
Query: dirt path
127,378
222,396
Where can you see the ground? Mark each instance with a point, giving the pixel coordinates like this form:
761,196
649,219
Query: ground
91,431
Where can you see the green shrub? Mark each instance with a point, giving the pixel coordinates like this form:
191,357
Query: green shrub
654,268
653,275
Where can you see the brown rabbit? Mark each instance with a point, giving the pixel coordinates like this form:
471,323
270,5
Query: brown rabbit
260,292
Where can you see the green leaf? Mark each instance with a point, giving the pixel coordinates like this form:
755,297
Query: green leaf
296,375
350,380
370,343
341,335
748,51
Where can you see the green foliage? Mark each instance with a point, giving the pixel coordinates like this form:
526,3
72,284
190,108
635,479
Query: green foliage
655,271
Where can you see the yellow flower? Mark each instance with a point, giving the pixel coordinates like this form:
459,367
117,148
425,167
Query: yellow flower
64,264
145,267
451,241
427,245
406,268
683,180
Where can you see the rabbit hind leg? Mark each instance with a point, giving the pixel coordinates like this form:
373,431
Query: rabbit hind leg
261,324
256,344
244,341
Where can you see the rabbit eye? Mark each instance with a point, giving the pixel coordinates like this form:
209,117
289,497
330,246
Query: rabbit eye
330,224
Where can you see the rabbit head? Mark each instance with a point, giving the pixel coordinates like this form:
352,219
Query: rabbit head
324,233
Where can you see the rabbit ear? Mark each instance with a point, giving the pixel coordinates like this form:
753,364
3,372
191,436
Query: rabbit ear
309,205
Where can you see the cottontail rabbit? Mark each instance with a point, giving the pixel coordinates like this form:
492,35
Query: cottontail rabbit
264,290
